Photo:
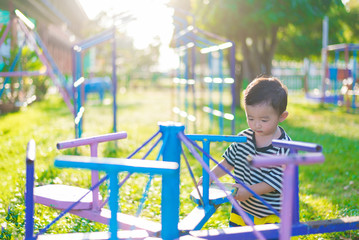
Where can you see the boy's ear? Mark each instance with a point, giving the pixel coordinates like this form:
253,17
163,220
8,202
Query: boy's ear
283,116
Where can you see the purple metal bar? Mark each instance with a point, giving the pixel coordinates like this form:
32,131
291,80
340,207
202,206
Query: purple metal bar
91,140
294,148
288,196
99,38
29,194
94,180
21,74
212,35
288,182
273,160
5,33
295,145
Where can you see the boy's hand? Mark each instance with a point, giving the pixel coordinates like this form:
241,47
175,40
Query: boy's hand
242,194
200,181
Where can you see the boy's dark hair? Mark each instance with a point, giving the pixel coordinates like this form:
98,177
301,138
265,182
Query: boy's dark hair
267,90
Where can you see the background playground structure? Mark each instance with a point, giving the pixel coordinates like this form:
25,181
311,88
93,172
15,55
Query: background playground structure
318,198
206,70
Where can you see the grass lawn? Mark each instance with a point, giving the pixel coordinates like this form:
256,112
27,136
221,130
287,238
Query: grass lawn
327,191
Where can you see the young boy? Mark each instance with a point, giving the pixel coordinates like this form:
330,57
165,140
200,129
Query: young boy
265,106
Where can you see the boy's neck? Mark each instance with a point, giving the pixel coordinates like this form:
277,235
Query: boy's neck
265,141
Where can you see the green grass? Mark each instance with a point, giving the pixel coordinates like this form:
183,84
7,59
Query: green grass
329,190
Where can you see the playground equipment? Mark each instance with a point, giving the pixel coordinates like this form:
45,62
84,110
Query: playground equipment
79,82
34,40
189,39
339,83
171,227
344,86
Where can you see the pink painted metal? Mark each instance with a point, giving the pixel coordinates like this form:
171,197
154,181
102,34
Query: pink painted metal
61,196
93,142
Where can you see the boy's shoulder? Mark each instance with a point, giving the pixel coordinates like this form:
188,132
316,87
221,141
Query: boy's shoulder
284,135
247,133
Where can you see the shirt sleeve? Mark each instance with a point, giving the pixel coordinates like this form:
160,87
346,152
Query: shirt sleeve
229,154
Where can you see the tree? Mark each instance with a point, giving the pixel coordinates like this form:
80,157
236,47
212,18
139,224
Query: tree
254,26
305,41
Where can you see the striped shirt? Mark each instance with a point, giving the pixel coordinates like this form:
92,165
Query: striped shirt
237,155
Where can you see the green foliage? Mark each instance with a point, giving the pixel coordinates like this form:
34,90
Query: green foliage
298,41
25,87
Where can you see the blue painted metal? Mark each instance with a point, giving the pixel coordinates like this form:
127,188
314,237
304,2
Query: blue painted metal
230,174
113,203
210,88
335,80
170,206
221,108
79,93
114,81
354,78
206,141
190,34
209,206
205,183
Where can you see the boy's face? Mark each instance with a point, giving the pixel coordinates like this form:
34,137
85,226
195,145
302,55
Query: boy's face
263,119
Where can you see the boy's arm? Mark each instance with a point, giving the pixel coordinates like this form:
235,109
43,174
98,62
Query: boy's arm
259,188
218,171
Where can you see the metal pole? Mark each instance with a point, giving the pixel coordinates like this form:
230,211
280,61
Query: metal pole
171,185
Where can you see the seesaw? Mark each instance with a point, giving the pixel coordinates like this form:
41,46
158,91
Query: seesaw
85,203
170,225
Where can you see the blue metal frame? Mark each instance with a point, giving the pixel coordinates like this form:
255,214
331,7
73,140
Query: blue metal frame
78,89
185,35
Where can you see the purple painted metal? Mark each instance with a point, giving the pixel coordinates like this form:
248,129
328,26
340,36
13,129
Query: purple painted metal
21,74
294,148
91,140
5,32
288,196
29,194
291,161
95,179
305,159
295,145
